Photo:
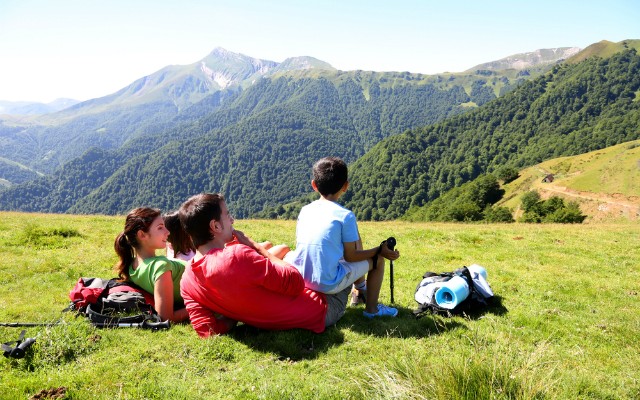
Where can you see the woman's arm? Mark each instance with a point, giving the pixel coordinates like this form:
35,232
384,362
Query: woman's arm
163,298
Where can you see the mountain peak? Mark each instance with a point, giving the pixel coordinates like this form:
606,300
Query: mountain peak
530,59
303,63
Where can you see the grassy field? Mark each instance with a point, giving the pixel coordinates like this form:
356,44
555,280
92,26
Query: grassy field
564,325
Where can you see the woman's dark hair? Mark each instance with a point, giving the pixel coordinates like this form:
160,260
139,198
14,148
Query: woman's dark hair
330,175
197,212
180,241
138,219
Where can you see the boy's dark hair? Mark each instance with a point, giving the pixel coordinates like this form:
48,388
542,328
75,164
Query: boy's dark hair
197,212
180,241
330,175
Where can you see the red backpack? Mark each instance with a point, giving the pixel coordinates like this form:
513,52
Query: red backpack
112,303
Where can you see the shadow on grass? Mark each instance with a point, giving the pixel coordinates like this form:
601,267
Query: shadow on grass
406,325
298,344
494,307
294,345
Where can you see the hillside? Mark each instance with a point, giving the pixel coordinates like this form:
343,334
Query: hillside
604,49
150,104
606,182
573,109
256,144
184,93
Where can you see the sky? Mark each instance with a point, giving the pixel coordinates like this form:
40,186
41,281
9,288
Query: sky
83,49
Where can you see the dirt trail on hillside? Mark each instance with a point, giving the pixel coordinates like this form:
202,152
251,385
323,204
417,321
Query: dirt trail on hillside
599,203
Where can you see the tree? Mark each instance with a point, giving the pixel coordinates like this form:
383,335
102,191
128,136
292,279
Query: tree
507,174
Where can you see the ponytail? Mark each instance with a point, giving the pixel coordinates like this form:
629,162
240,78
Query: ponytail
127,241
124,250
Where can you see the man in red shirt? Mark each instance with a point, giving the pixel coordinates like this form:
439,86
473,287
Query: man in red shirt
232,278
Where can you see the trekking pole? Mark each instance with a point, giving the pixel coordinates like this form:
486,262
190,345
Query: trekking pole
27,324
154,326
391,244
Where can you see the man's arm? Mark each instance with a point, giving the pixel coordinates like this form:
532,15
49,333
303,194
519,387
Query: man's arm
278,275
240,237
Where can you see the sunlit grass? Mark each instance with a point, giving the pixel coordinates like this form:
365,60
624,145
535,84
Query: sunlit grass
564,324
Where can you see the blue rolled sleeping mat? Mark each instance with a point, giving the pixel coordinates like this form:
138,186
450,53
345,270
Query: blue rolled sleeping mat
456,290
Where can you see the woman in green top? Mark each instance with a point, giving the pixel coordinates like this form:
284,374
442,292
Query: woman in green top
144,233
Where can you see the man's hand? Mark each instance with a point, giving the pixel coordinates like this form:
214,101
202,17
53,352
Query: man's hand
240,237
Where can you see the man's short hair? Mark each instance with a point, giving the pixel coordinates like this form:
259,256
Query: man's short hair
330,175
197,212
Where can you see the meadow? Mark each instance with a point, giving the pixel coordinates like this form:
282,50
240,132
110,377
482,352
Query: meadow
563,325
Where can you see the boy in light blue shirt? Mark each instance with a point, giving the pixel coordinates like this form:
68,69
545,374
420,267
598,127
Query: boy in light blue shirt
329,252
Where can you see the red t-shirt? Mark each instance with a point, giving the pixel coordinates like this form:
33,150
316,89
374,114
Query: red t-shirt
241,284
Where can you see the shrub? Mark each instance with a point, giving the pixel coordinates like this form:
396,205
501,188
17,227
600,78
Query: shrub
498,214
530,200
553,210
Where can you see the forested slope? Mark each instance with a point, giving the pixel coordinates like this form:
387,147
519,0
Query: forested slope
573,109
255,145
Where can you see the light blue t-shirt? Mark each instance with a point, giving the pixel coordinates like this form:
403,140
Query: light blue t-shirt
323,226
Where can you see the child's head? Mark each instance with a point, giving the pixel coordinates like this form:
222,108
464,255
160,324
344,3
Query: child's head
329,175
139,219
180,241
196,215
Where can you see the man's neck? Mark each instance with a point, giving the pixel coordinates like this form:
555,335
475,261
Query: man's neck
210,245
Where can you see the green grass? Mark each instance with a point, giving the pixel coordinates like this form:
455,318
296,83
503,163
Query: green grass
564,325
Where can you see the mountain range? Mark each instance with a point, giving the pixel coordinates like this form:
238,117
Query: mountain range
251,128
175,94
533,59
34,108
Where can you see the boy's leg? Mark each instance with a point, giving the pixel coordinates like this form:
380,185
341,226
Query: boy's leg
374,284
359,291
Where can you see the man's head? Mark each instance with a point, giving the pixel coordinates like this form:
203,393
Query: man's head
329,175
205,217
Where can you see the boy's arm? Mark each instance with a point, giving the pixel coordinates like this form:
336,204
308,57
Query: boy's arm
353,252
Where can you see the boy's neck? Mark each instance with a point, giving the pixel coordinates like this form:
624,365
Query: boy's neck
332,197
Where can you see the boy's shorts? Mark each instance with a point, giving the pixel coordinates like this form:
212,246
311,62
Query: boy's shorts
354,270
336,306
